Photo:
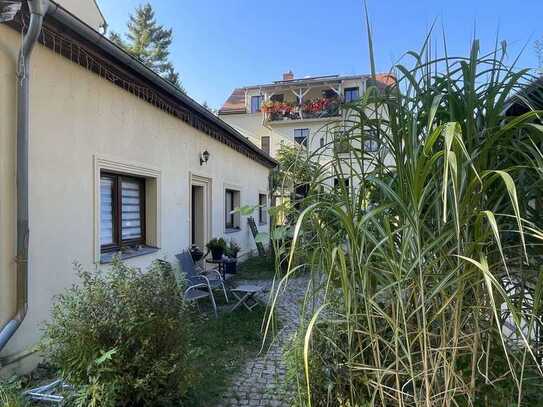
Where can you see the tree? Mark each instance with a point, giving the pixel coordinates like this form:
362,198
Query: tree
295,168
149,42
205,105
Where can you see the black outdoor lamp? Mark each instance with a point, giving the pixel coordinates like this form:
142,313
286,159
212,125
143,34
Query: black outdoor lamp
204,157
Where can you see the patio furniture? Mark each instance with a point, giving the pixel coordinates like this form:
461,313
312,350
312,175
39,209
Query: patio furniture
196,253
199,291
221,265
246,296
194,275
50,393
254,231
231,266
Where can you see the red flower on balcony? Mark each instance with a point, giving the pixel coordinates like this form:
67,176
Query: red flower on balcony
317,105
276,107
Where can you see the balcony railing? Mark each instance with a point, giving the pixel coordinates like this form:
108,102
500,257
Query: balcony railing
311,109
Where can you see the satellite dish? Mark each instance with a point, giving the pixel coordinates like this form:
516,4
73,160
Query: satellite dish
9,9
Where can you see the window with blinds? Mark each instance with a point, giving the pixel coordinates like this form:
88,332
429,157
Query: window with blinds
122,211
256,102
262,209
131,219
350,95
301,136
231,202
106,211
229,207
265,144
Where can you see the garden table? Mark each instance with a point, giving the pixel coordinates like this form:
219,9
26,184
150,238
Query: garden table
221,265
246,296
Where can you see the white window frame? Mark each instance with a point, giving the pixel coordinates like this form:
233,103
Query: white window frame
305,143
266,214
237,217
259,104
153,180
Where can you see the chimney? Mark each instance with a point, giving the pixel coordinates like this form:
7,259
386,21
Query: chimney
288,76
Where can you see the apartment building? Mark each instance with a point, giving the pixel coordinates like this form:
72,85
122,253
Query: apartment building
294,110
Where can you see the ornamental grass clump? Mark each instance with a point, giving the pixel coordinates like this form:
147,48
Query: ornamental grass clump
11,393
429,246
121,337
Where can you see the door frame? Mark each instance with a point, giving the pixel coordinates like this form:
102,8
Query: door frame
206,183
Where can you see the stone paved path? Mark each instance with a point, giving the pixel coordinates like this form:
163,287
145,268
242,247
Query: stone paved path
262,381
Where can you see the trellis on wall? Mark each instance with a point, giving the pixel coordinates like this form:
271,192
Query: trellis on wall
65,43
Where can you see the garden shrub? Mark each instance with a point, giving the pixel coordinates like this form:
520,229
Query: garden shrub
329,380
11,393
431,256
121,337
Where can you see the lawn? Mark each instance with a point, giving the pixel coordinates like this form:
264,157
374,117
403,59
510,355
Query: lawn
224,344
256,268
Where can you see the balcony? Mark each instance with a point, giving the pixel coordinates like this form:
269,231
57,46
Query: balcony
310,109
303,101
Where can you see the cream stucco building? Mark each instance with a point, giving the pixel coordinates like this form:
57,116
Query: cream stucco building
294,110
116,162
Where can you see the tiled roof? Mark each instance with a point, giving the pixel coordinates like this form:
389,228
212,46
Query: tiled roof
386,79
235,103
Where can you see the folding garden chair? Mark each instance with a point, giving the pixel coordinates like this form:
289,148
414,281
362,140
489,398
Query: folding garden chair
199,282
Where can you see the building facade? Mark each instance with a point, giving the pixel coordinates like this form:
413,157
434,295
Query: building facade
293,111
120,161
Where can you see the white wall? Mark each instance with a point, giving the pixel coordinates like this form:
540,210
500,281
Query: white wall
85,10
76,116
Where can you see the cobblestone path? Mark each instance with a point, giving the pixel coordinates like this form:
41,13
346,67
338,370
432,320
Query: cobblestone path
262,381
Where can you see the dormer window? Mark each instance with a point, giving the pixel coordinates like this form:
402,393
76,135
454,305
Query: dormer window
256,102
351,95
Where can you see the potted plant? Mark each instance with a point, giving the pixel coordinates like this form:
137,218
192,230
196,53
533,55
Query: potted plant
232,252
217,247
233,249
196,253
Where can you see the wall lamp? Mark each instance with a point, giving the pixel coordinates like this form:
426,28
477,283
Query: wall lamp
204,157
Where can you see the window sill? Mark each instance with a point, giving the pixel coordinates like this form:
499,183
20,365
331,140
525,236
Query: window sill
232,230
107,258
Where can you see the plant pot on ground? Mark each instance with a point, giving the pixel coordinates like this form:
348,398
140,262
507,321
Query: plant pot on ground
216,247
230,266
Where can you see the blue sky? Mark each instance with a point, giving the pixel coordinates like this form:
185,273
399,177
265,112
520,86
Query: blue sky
220,45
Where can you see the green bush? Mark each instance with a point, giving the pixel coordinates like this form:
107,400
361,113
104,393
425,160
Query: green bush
10,393
328,380
121,338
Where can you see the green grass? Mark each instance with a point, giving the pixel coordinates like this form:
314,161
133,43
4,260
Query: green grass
222,347
10,393
256,268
